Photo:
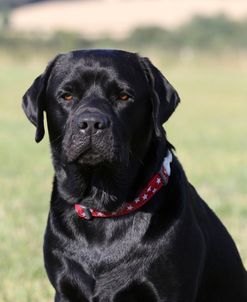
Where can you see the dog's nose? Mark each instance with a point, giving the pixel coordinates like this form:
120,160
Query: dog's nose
93,123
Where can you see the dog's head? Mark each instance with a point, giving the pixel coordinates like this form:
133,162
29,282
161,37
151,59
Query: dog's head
101,105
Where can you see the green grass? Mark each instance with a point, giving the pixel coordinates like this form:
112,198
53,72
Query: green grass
208,130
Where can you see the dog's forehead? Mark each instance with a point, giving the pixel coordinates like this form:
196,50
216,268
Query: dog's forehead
114,63
106,58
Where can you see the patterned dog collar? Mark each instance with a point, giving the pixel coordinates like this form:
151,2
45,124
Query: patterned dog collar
154,185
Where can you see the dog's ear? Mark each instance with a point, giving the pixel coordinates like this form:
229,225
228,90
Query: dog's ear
163,96
33,101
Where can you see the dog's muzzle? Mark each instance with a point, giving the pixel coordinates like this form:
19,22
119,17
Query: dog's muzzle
89,138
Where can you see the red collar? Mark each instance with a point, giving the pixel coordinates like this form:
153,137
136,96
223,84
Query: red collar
154,185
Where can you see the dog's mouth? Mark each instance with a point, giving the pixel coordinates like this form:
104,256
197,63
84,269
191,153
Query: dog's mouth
84,155
89,156
88,150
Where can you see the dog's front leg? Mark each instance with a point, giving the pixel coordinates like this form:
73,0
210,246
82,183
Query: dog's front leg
58,298
71,298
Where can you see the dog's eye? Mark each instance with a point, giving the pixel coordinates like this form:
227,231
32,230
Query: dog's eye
68,97
123,97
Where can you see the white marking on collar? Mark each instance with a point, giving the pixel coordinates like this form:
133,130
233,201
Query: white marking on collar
167,163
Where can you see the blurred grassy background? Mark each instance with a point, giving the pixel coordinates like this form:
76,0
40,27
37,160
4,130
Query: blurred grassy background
208,129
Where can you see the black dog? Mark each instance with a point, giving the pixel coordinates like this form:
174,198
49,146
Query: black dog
123,225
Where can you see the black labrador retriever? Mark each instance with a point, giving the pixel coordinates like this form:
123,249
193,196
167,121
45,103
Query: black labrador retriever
124,223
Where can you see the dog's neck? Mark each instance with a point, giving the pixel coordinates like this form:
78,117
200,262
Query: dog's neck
107,187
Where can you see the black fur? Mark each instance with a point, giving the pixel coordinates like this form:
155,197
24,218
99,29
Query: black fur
105,150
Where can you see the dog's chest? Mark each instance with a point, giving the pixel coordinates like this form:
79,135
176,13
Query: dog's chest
107,263
111,272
